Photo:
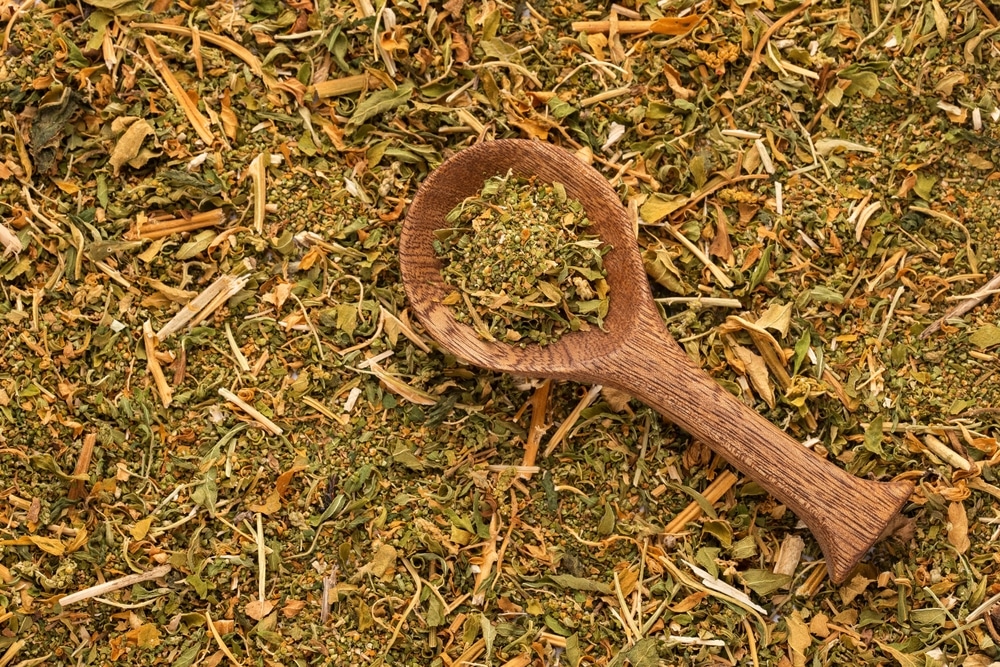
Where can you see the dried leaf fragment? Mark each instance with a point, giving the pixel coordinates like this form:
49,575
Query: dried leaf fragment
141,528
47,544
958,527
672,25
777,317
383,560
854,588
129,144
904,659
258,609
11,244
146,635
756,371
258,172
270,506
827,146
660,205
721,246
985,336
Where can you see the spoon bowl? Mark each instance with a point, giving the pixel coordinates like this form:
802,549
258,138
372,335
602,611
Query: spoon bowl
463,176
635,353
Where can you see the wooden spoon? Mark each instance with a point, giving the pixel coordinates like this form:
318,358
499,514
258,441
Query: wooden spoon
636,354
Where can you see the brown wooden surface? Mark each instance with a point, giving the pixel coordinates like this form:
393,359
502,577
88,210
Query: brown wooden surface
637,354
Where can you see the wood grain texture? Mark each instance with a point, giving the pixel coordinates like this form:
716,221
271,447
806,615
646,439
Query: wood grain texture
637,354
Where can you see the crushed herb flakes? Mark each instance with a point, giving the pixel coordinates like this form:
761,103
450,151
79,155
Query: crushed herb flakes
522,265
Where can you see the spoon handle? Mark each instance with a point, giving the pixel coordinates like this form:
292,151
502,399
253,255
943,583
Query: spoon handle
845,513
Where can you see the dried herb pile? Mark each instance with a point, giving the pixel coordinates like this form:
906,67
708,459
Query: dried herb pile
523,266
216,408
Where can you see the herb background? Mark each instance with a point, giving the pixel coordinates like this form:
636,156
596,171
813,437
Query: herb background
823,173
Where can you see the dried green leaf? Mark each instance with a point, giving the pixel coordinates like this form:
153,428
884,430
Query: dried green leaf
764,582
580,584
925,183
904,659
574,654
606,525
378,103
865,83
985,336
873,437
721,530
756,371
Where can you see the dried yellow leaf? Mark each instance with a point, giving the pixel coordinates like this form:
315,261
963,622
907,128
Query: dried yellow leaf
777,317
799,638
48,545
756,372
129,144
272,505
958,527
671,25
141,528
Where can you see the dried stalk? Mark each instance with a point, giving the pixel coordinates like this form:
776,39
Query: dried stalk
198,121
250,410
968,303
811,585
261,561
789,555
719,274
406,330
209,38
709,301
235,285
202,305
946,453
624,27
973,261
346,85
471,654
162,388
755,60
258,173
218,639
665,26
114,585
241,359
78,488
16,647
325,411
712,494
21,8
985,9
564,428
418,585
539,404
161,228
